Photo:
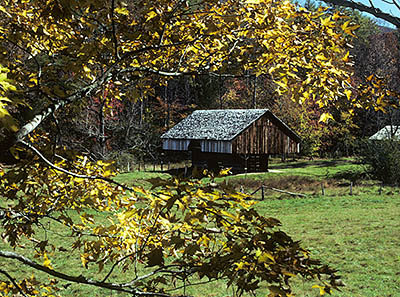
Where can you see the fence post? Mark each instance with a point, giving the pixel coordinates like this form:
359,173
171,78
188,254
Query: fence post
262,192
322,189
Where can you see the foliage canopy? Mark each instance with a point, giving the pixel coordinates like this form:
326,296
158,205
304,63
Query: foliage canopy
60,53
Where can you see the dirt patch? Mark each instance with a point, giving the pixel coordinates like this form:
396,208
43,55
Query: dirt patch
297,184
289,183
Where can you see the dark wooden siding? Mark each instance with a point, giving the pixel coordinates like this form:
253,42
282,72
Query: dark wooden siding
264,137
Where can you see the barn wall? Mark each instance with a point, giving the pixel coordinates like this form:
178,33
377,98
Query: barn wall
263,137
224,147
176,144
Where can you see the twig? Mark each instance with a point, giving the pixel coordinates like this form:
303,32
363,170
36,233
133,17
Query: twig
13,282
194,284
92,177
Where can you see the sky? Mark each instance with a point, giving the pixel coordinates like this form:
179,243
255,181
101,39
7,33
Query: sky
381,4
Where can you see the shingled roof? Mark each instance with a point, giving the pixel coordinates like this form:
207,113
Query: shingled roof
220,124
387,132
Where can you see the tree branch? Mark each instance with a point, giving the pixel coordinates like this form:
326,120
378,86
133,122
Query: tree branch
115,40
41,116
13,282
92,177
78,279
369,9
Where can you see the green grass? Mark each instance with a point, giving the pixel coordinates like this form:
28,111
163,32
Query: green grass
359,234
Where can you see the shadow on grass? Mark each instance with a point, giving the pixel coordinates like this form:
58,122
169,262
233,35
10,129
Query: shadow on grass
350,175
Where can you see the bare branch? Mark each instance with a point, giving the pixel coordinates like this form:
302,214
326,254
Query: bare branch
78,279
369,9
13,282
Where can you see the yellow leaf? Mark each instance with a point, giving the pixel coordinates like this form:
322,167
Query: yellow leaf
84,260
347,93
264,256
325,117
122,10
241,265
151,15
346,57
46,262
86,69
289,273
320,57
349,29
225,171
7,120
327,22
321,289
4,10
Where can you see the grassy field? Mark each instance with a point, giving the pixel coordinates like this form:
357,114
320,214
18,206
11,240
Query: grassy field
357,234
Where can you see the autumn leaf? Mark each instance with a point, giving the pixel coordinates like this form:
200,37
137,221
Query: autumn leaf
122,10
349,29
152,14
325,117
327,22
347,93
321,289
46,261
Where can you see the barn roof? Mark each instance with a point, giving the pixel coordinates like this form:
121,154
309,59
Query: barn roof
221,124
387,132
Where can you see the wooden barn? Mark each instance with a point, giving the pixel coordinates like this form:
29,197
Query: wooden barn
238,138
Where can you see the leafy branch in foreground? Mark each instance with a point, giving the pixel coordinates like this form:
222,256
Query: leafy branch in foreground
177,234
